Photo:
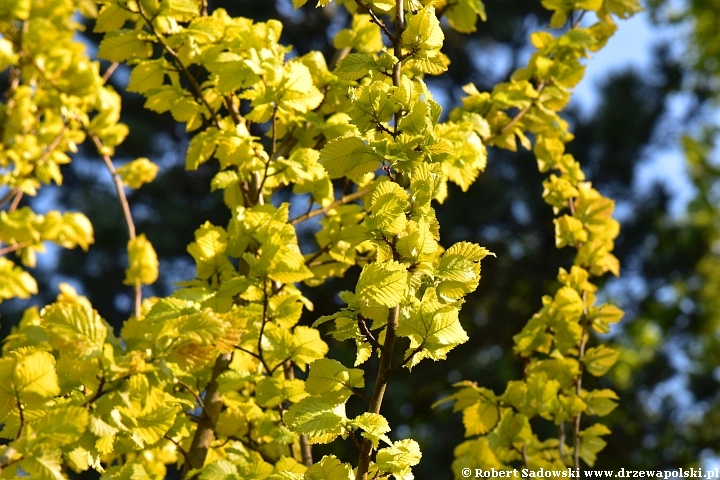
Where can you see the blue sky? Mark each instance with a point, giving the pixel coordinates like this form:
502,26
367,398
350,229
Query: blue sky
631,47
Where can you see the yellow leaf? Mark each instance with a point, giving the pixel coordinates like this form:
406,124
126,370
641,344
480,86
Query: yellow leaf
138,172
35,379
143,260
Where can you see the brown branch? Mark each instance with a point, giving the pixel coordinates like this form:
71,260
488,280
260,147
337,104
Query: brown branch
338,56
15,247
366,331
341,201
192,392
518,116
384,371
179,447
578,383
385,367
578,20
16,201
410,356
6,458
205,433
53,145
181,66
383,128
254,446
262,325
258,357
8,196
125,207
108,73
234,113
101,383
305,447
21,414
374,19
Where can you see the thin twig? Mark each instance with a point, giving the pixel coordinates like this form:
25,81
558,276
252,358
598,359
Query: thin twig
407,359
53,145
179,447
181,66
262,325
101,383
108,73
234,113
339,55
192,392
384,371
254,446
258,357
341,201
578,383
518,116
366,331
205,432
16,201
8,196
21,414
383,128
6,458
13,248
374,19
579,19
125,206
385,367
305,447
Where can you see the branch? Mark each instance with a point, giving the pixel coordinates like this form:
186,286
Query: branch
518,116
262,327
385,367
384,371
254,446
578,383
383,128
181,66
234,113
9,196
374,19
179,447
99,392
192,392
53,145
21,414
125,206
273,156
341,201
410,356
17,246
305,447
339,55
205,433
578,20
366,331
6,458
108,73
16,201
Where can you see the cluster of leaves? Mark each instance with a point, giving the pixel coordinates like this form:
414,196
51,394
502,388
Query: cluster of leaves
206,378
555,340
